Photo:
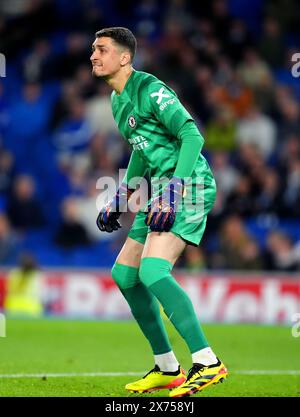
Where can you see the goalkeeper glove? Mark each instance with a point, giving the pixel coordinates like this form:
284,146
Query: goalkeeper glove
107,220
162,210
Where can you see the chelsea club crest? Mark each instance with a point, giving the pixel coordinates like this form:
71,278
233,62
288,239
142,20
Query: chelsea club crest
131,121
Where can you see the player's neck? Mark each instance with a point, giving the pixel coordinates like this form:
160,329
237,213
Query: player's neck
117,81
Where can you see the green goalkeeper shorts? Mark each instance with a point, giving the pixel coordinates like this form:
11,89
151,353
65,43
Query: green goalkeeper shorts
190,221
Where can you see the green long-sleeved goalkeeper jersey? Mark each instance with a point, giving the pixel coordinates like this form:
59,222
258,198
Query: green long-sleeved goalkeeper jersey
152,120
149,116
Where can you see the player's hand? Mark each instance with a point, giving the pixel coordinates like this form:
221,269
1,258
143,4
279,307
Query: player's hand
107,220
162,210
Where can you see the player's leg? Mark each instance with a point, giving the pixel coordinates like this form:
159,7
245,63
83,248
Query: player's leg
159,255
143,304
145,309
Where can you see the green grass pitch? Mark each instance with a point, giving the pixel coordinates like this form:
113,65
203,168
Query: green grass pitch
262,360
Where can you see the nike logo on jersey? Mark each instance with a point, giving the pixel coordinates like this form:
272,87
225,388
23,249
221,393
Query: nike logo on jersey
160,95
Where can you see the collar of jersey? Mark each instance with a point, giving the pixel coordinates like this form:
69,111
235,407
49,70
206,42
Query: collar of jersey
126,86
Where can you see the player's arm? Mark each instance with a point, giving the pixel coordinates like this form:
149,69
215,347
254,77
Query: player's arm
163,103
136,169
107,220
166,107
191,145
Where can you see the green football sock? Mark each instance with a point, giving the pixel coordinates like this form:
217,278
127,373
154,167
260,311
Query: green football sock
155,273
144,307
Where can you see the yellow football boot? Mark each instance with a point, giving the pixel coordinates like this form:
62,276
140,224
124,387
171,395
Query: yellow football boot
200,377
157,379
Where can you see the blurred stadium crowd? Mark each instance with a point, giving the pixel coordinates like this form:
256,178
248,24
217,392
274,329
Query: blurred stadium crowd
229,62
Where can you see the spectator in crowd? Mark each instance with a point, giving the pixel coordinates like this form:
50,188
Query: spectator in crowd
221,18
31,106
85,82
6,171
289,115
70,92
74,133
237,249
269,197
288,152
248,155
23,208
8,241
237,40
76,54
239,200
202,101
220,132
98,112
235,95
284,11
24,289
225,174
281,254
194,259
291,195
78,175
71,233
259,129
271,45
146,15
4,111
252,70
87,210
39,65
256,75
104,155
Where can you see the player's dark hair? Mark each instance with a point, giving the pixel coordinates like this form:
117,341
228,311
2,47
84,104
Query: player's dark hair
122,36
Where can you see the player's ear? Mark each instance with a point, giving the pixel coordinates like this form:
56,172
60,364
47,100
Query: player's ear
125,58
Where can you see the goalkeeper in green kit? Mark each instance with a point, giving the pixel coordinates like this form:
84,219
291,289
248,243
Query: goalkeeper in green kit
166,144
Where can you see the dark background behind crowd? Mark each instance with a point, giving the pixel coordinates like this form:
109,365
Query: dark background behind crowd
230,62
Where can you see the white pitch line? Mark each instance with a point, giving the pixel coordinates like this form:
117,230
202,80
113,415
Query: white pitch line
267,372
106,374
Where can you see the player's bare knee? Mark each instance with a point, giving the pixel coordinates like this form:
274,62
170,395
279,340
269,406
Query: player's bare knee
130,253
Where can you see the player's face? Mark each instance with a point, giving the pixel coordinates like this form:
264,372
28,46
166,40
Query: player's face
106,57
